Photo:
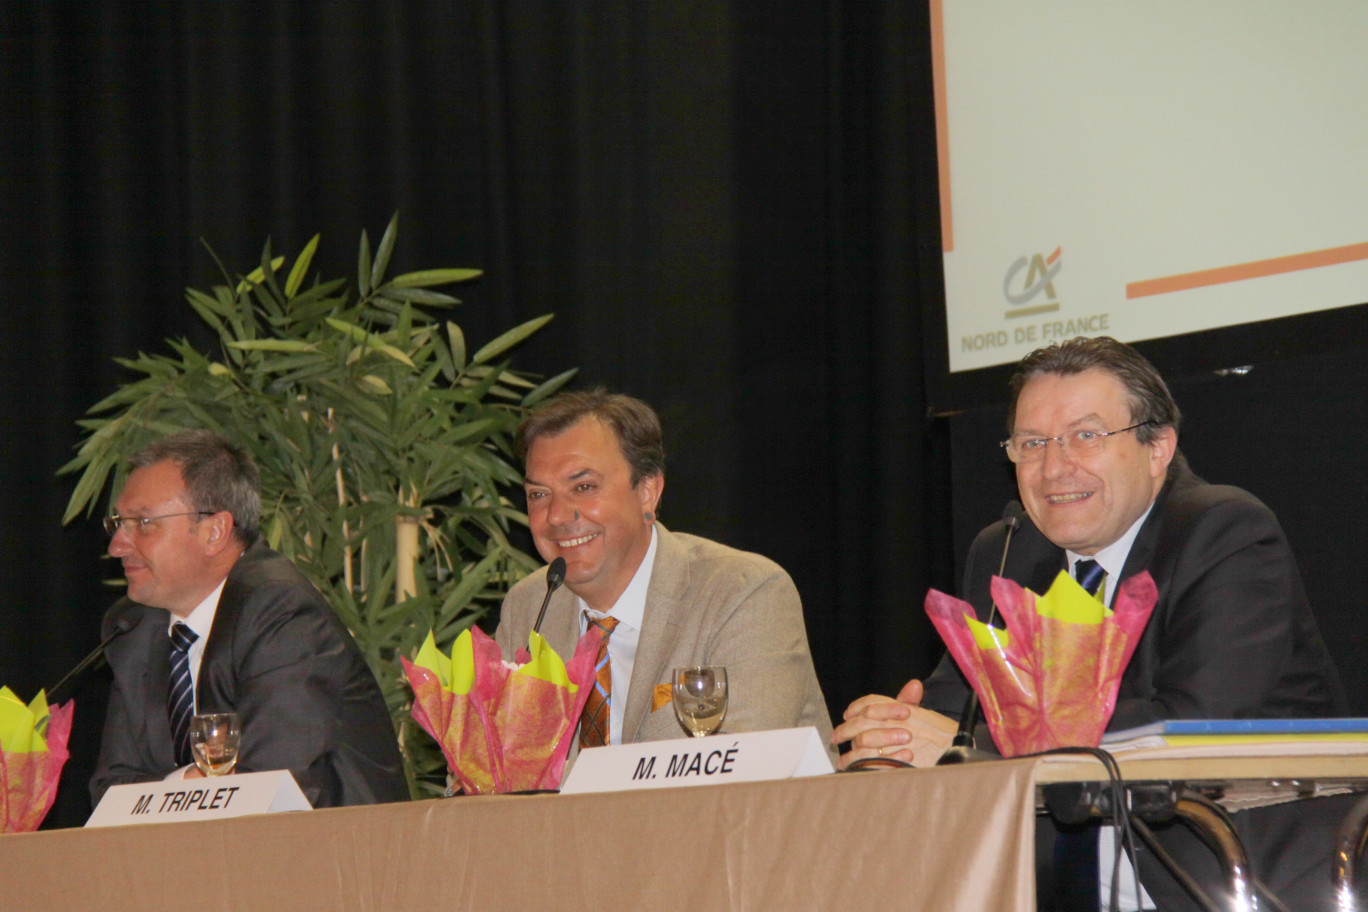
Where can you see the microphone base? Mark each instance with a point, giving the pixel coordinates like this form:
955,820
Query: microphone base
958,754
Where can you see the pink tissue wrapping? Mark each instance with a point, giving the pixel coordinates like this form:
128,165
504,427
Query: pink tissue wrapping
31,778
511,732
1055,684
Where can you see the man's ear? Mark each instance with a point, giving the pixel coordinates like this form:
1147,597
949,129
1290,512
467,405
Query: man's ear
1162,449
218,533
649,490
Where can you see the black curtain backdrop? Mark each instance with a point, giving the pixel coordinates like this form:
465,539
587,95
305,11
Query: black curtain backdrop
730,206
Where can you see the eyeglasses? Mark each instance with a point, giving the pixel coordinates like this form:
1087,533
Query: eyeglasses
142,525
1078,443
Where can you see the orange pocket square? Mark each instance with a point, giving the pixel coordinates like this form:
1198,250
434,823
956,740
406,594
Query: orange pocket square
661,696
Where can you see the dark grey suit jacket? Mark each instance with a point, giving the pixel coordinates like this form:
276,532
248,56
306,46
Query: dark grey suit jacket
1232,636
278,656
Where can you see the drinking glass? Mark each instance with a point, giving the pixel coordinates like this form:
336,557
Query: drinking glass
214,740
700,698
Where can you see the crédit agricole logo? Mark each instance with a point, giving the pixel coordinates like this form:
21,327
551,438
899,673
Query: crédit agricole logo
1024,295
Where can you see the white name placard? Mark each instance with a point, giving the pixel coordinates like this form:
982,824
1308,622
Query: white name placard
785,753
199,799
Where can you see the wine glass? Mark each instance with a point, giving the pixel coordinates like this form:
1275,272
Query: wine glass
700,698
214,740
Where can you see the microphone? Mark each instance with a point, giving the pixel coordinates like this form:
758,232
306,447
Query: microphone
962,748
555,575
121,626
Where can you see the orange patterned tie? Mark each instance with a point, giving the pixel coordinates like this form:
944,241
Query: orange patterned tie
594,722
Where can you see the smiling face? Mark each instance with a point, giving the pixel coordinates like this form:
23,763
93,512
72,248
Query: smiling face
582,506
177,561
1085,504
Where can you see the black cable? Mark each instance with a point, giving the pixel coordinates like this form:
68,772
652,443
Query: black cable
1121,820
1125,823
1183,877
1268,894
870,763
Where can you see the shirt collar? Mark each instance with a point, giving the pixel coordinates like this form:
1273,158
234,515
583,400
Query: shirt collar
201,620
1113,557
630,608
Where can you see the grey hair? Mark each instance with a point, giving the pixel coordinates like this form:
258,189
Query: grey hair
218,476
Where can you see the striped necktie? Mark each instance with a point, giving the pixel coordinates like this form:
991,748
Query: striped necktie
598,707
180,699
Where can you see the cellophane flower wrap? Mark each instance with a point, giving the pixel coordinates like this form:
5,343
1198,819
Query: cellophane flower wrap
1050,678
33,749
503,727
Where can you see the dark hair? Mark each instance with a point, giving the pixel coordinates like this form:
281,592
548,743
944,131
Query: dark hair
634,424
218,476
1147,394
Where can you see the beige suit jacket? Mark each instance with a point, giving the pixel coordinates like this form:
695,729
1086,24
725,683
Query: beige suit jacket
707,604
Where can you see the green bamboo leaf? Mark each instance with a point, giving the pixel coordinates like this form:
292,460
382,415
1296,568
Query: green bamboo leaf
257,276
278,345
369,340
377,384
268,293
301,267
208,308
549,387
509,339
418,296
363,266
427,277
458,346
382,253
513,379
403,329
207,302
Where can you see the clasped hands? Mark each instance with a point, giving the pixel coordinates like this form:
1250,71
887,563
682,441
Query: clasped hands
878,726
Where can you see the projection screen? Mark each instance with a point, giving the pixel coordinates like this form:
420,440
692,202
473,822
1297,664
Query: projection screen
1147,169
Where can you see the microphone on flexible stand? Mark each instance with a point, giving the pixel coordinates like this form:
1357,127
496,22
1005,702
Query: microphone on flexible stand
121,626
555,575
962,748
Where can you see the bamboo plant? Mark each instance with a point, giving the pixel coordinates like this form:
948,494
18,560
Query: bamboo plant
384,448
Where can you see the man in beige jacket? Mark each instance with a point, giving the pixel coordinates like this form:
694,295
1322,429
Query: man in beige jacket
595,469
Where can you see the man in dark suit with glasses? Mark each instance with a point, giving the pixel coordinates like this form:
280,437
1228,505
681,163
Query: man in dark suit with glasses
214,621
1093,437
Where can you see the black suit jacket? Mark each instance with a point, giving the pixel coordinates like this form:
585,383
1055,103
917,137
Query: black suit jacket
278,656
1231,636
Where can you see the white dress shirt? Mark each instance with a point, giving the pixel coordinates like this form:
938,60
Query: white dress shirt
201,621
629,610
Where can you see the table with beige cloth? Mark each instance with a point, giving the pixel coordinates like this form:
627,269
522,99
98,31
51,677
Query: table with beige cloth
957,838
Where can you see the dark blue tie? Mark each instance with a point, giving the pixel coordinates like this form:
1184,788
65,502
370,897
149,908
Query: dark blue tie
180,699
1089,574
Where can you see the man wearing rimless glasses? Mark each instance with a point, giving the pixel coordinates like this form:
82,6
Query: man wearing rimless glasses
1093,438
214,621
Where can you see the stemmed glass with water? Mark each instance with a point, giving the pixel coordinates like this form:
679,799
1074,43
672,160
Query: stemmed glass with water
700,698
214,740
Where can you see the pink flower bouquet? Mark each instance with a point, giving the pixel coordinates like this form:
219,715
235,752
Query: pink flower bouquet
503,727
33,749
1051,678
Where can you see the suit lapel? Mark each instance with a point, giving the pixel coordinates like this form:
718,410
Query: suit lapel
154,645
669,581
562,625
216,685
1033,560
